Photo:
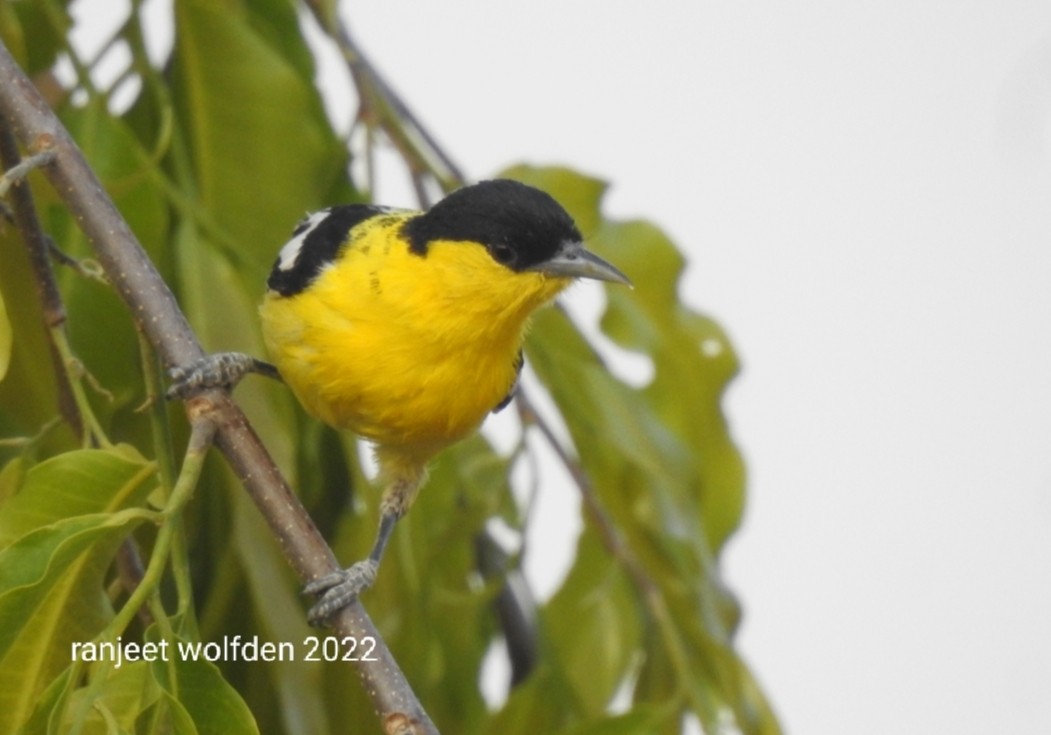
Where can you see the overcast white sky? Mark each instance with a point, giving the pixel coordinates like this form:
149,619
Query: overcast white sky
864,191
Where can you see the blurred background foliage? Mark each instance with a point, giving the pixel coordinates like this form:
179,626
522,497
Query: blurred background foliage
221,150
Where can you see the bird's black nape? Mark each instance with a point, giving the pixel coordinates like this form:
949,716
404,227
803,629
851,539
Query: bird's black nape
520,225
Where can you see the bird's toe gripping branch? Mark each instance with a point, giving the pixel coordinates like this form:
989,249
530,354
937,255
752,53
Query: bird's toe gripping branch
339,589
220,370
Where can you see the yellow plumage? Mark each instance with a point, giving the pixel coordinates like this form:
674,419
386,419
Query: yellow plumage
409,352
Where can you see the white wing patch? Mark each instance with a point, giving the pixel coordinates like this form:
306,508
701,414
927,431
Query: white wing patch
289,254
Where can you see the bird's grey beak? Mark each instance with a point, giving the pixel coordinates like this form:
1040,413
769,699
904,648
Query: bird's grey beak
573,261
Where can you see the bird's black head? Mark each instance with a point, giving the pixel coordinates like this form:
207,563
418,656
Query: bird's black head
519,225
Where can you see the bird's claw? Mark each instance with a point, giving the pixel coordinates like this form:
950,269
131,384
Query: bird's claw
339,589
220,370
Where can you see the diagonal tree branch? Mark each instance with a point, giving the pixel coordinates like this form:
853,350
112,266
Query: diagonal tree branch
155,310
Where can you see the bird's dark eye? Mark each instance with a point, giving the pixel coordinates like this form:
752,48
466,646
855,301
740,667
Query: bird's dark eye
502,253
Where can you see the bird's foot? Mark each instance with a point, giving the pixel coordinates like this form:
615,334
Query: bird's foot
221,370
339,589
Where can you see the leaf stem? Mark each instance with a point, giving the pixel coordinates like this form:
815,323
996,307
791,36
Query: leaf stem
201,434
92,433
163,447
16,174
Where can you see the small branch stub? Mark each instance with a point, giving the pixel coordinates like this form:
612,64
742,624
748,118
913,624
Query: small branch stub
398,723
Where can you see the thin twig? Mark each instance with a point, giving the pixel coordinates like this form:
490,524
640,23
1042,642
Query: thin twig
608,531
157,314
25,217
17,173
28,224
70,373
86,268
380,107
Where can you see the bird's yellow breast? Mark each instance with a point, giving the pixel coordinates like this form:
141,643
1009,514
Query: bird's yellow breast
410,351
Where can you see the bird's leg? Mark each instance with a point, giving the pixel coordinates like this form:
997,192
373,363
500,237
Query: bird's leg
220,370
339,589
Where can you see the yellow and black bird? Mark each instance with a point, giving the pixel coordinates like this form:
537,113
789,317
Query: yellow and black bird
406,328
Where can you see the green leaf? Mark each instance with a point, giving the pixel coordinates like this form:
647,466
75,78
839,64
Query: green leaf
34,32
543,704
198,691
178,717
644,720
694,361
81,482
131,174
594,657
46,702
28,392
263,152
12,475
116,703
62,609
57,539
31,567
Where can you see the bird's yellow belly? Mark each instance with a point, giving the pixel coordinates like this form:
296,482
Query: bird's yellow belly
393,383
